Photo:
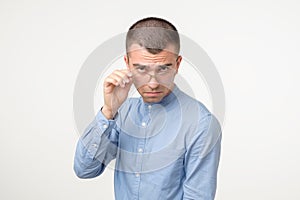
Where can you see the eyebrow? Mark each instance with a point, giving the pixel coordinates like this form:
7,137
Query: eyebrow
140,65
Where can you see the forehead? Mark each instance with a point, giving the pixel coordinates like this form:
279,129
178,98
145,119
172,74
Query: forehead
140,54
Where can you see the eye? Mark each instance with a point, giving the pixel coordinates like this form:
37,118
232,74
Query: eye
141,69
163,68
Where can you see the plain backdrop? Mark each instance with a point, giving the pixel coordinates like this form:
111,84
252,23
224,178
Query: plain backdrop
254,45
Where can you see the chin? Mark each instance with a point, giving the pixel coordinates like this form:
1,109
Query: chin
152,100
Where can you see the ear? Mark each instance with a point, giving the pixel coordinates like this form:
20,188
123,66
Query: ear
178,61
126,59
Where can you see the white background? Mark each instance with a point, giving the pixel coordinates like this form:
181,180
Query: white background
254,45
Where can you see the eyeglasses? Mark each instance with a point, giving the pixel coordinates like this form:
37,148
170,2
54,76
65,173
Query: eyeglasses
163,74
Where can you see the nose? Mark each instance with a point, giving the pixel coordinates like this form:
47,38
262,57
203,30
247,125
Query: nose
153,83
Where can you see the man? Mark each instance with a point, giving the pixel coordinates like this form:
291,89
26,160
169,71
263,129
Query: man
166,144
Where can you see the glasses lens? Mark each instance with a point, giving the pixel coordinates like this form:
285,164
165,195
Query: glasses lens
142,76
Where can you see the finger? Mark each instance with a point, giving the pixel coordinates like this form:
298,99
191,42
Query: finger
128,85
111,80
121,80
110,84
128,72
124,74
118,78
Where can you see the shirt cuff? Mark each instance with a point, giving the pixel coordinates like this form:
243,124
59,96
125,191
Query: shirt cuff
91,138
104,123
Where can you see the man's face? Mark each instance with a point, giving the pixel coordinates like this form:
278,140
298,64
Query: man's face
153,74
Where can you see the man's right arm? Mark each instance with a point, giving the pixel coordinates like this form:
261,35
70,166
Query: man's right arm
96,147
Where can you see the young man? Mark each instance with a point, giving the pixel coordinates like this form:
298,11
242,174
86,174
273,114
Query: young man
166,144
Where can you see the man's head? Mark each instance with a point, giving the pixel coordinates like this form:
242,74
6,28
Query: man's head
152,54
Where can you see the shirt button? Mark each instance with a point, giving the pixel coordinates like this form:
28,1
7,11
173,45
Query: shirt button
149,106
95,145
137,174
105,126
143,124
140,150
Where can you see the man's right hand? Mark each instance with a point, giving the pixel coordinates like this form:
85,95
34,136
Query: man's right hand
115,91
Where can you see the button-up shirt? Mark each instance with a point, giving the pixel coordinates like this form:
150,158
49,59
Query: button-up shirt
168,150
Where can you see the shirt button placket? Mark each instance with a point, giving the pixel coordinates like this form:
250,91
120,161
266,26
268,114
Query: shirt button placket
140,150
105,126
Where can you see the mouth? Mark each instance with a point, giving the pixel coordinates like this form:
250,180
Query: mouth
152,94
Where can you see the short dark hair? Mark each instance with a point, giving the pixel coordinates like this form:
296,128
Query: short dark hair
154,34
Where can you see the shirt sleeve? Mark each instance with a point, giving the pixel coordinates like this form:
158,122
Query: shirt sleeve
96,147
202,160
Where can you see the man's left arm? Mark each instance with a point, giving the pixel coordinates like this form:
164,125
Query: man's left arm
202,161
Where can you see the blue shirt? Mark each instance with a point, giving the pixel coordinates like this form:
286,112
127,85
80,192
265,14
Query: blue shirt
168,150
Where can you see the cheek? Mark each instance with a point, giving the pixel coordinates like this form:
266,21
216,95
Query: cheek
141,89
